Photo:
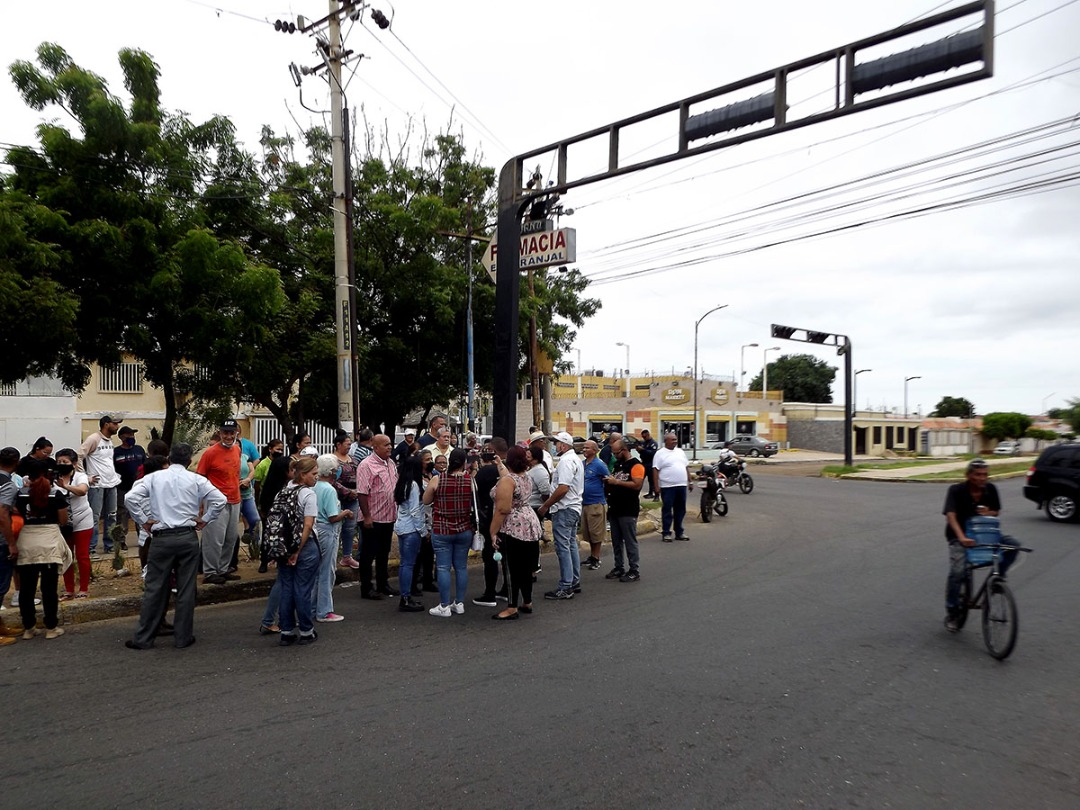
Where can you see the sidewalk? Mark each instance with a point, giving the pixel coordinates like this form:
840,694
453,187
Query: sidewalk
252,584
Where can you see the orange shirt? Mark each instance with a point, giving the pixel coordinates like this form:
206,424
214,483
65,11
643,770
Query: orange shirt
222,469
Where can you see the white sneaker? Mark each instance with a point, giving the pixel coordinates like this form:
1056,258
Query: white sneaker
442,611
458,607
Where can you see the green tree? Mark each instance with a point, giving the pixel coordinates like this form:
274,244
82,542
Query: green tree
1070,414
1005,425
802,378
953,406
150,280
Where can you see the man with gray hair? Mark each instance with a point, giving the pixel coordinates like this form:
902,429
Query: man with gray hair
167,504
671,475
564,503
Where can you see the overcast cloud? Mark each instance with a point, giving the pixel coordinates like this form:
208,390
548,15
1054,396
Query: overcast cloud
979,302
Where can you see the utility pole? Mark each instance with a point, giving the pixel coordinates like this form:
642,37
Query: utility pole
471,419
343,314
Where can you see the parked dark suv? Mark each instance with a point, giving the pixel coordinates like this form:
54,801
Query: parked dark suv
1053,481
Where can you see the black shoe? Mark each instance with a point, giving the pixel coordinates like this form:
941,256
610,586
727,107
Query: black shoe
593,564
408,605
682,537
266,631
213,579
308,639
263,568
131,645
559,594
576,587
500,618
232,577
372,595
389,593
614,573
188,643
485,601
123,546
633,576
286,640
524,609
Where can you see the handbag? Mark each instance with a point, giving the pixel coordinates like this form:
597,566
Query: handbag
478,538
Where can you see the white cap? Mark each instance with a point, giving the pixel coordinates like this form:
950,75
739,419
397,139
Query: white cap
310,450
564,437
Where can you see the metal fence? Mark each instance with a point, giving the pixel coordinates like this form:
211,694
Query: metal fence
266,428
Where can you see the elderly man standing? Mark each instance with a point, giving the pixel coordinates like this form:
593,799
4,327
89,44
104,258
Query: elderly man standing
438,421
564,503
538,439
442,445
167,504
671,477
376,478
220,463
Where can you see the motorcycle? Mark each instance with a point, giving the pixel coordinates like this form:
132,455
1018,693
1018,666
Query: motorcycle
737,475
712,493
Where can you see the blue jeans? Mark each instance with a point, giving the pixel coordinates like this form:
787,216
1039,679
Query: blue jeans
327,536
296,584
348,527
102,502
673,508
250,514
564,525
452,550
273,602
408,547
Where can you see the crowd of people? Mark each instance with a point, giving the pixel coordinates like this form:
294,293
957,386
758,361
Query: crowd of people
310,513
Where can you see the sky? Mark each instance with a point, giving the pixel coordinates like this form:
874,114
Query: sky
972,300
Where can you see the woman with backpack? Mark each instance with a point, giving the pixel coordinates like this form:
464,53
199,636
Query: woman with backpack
298,571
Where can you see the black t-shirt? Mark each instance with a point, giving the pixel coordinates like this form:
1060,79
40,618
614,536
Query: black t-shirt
277,476
959,500
41,517
127,461
621,501
26,464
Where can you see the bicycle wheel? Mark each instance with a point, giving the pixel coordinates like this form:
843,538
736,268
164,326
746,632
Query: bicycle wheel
1000,621
965,601
746,484
721,505
706,507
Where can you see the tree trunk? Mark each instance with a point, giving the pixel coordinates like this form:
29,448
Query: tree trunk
168,390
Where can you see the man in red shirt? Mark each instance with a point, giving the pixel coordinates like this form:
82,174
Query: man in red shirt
220,464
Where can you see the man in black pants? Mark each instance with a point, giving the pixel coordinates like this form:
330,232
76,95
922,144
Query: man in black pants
486,479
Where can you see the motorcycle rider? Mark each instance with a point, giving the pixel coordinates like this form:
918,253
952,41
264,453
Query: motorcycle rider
727,464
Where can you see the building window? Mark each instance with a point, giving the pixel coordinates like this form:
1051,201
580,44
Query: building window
123,378
877,434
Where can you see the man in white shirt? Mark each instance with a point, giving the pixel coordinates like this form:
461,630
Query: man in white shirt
96,457
564,503
671,477
167,504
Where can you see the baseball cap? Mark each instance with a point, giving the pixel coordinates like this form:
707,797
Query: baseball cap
564,437
108,418
310,450
229,424
410,432
125,430
533,437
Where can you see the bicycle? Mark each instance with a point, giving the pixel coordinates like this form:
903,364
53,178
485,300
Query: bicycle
1000,620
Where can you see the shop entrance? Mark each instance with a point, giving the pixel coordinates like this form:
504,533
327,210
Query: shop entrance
684,431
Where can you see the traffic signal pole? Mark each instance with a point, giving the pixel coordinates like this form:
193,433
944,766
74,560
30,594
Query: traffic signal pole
858,86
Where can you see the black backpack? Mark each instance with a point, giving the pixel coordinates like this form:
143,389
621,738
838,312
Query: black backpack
284,525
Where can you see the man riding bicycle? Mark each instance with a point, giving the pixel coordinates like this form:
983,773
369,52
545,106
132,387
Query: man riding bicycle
976,496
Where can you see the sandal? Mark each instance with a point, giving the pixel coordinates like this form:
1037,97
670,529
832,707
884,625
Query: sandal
82,595
67,597
268,631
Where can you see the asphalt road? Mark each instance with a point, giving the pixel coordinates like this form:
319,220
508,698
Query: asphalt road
790,655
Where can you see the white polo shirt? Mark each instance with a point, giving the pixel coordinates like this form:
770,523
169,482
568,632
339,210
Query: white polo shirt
569,471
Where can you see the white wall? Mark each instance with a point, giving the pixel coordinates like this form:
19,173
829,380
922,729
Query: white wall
23,419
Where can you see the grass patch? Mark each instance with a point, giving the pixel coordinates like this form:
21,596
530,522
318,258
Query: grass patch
836,470
958,475
651,504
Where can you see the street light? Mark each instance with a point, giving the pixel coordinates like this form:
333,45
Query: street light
906,381
627,369
697,323
765,372
742,363
854,385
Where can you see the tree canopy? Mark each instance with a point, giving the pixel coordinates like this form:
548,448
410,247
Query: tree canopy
953,406
802,378
1005,425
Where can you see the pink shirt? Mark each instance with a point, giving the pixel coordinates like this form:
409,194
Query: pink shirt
377,478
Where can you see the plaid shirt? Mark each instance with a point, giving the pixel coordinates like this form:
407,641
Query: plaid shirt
377,478
453,505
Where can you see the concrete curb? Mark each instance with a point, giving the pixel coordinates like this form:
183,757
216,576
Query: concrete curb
895,480
117,607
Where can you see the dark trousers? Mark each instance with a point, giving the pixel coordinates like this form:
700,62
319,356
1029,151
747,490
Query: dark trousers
49,574
375,544
521,558
168,552
649,478
491,568
424,569
673,508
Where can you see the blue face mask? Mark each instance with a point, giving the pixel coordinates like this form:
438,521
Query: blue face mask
337,473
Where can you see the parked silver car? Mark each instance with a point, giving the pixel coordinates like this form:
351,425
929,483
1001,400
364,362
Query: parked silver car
753,446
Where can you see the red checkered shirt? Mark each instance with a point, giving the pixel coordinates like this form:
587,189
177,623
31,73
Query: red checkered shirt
376,478
453,505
